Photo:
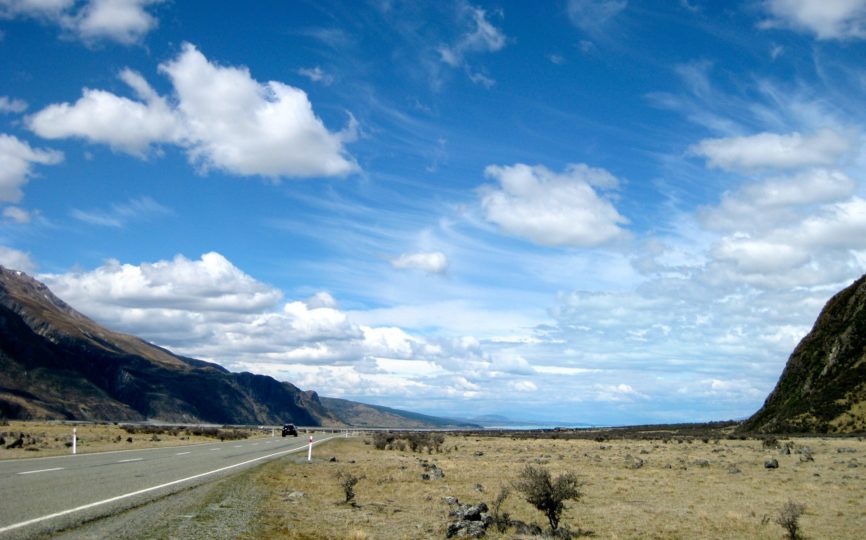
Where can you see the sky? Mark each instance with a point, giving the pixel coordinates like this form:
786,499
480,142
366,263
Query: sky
588,211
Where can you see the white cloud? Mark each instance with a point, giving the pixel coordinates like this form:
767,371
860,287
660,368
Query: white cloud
480,37
775,151
592,15
552,209
211,284
524,386
102,117
122,21
317,74
34,8
827,19
221,116
16,260
776,201
434,262
16,162
11,105
120,214
16,214
209,308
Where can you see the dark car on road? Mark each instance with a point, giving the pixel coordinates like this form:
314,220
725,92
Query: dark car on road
290,429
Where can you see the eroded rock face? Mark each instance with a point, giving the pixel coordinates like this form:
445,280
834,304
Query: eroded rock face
823,386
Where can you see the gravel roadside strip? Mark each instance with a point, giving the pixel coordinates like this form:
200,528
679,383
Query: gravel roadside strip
224,509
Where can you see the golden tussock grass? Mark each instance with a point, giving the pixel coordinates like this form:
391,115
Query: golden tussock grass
682,490
52,438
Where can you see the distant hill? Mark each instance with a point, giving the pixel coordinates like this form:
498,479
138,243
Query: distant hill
823,386
55,363
363,415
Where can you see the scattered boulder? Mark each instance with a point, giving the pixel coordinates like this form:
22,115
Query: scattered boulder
702,463
771,463
18,443
469,521
733,469
433,472
632,462
294,496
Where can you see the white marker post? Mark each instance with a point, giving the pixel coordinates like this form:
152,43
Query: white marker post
273,432
74,440
310,450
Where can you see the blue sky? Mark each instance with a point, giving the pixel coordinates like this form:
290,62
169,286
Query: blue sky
600,211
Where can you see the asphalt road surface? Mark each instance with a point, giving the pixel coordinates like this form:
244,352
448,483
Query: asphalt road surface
43,495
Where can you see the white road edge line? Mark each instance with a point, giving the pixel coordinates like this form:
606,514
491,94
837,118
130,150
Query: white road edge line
42,470
146,490
133,459
182,453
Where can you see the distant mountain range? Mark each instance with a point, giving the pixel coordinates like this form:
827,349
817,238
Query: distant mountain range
55,363
823,386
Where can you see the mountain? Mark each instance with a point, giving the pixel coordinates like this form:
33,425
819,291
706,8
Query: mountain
55,363
823,386
363,415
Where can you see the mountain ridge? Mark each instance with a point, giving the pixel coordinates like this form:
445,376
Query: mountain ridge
823,386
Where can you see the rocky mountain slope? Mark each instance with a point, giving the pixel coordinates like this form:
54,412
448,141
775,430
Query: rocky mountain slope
56,363
823,386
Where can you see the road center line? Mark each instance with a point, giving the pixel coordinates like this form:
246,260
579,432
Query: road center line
128,460
42,470
147,490
182,453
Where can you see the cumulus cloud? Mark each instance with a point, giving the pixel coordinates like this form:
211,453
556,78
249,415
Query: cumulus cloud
121,21
16,260
16,165
829,19
592,15
775,201
774,151
221,116
553,209
102,117
210,309
211,284
434,262
11,105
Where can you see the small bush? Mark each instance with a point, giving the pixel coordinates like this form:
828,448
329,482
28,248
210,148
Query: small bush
382,440
770,442
546,494
501,519
789,519
347,482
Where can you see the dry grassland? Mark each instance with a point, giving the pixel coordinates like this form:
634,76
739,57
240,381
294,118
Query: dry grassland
682,490
41,439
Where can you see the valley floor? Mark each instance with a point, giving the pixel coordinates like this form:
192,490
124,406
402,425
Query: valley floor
674,488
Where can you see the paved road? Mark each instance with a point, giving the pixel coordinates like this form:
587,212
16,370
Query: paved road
47,494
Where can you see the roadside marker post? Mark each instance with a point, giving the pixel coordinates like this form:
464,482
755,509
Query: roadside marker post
310,450
273,432
74,441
